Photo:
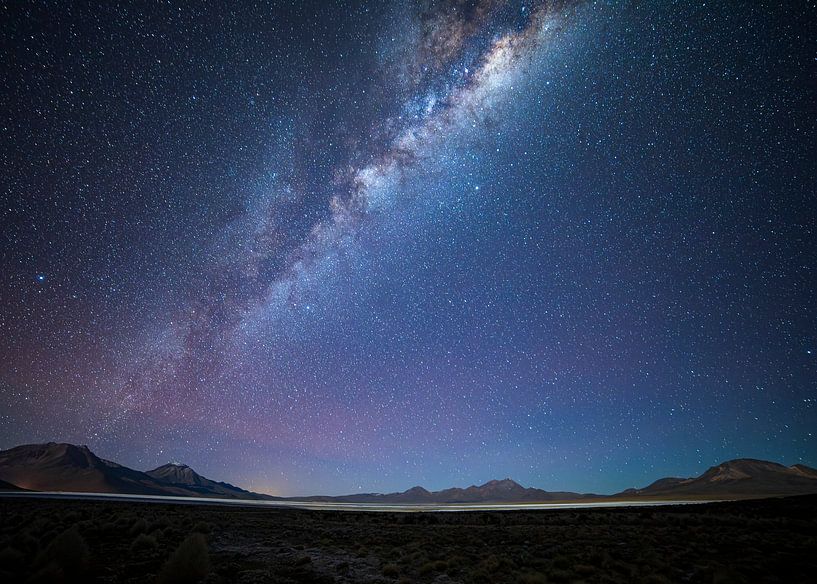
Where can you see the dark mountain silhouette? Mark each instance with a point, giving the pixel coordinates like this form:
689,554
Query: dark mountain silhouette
65,467
69,468
740,478
184,477
505,490
491,492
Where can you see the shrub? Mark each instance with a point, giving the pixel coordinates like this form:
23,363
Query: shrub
139,526
562,562
160,523
68,551
584,570
11,560
724,575
190,563
28,543
480,576
490,564
391,570
436,566
559,575
144,542
50,574
657,579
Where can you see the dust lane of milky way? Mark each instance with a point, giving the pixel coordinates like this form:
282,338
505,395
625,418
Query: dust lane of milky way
317,248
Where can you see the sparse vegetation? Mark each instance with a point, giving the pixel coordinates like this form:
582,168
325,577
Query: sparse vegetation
144,543
68,552
533,578
189,564
12,560
139,526
751,541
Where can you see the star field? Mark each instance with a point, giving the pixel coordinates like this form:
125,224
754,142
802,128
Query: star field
322,247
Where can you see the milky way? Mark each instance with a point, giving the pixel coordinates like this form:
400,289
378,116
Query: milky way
338,246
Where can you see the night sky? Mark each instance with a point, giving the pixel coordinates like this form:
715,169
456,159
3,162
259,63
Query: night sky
325,247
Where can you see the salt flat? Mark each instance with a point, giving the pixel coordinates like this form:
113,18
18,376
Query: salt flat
331,506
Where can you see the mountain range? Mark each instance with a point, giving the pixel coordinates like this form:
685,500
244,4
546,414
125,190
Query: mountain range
504,491
744,477
69,468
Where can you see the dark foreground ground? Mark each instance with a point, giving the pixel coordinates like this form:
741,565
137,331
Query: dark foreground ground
773,540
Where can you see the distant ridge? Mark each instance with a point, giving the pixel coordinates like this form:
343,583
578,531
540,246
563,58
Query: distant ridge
739,478
504,491
182,476
69,468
